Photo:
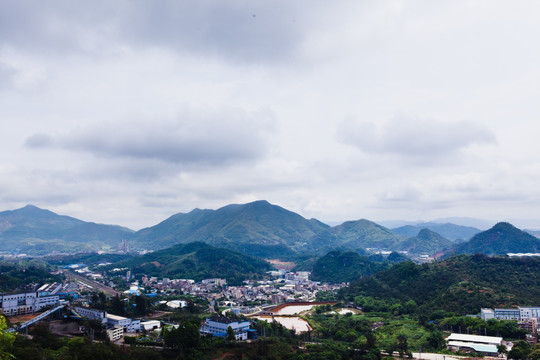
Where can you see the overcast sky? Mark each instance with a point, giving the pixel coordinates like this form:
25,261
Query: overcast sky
126,112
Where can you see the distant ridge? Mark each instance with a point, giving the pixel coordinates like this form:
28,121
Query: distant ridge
38,231
449,231
353,235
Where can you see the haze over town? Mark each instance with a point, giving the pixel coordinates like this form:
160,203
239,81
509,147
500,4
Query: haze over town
129,112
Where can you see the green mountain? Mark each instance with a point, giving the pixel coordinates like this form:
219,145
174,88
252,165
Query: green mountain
501,239
37,231
426,242
352,235
197,261
462,284
449,231
336,267
257,228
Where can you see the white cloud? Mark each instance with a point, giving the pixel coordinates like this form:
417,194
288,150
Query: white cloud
413,137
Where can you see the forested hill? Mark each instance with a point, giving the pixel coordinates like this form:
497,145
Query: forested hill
462,284
426,242
336,266
501,239
197,261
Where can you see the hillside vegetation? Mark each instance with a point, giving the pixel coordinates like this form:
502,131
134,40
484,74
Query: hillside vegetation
462,284
197,261
501,239
336,267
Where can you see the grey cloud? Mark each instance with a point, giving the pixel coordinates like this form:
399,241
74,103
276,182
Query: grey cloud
39,141
214,138
415,138
238,30
7,73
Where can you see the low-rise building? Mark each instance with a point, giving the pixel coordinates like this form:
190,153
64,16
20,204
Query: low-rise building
92,314
218,325
150,325
486,345
26,303
115,333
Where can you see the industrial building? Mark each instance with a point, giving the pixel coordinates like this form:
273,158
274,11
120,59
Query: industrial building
486,345
30,302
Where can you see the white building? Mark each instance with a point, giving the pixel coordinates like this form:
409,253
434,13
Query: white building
487,314
217,326
26,303
519,314
127,324
481,344
92,314
526,313
150,325
175,304
116,333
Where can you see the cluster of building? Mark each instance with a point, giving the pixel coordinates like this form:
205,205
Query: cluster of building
519,314
284,287
116,325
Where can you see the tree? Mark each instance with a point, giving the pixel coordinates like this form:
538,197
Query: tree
142,305
230,334
6,340
520,350
402,346
502,349
117,306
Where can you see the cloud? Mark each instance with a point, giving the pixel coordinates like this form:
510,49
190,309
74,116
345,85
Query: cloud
206,138
235,30
7,74
413,137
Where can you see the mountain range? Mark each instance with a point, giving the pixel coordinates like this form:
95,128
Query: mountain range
257,229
